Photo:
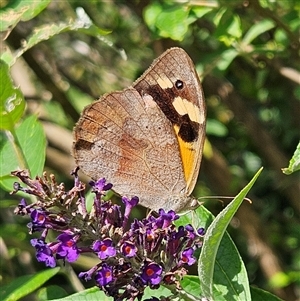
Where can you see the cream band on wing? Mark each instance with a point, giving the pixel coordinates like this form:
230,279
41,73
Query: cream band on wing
183,106
164,82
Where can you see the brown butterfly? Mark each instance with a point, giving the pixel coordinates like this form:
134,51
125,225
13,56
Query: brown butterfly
147,140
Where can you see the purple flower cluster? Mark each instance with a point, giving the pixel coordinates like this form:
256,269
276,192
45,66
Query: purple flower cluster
147,252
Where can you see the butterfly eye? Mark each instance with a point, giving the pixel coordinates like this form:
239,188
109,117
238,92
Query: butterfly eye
179,84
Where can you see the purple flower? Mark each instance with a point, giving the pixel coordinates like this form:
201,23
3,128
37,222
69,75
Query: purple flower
100,186
85,275
132,257
151,273
39,220
174,241
166,218
104,248
88,274
201,231
150,235
107,214
104,275
23,208
129,204
187,257
38,217
128,249
67,248
22,204
190,231
43,252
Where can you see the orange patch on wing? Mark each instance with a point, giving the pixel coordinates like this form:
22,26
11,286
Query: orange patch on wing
188,153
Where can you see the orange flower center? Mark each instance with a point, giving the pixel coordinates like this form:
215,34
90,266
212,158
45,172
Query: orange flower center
103,248
149,272
69,243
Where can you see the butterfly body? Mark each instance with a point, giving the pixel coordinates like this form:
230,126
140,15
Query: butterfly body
147,139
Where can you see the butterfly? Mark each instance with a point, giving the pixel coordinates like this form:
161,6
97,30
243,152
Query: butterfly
148,138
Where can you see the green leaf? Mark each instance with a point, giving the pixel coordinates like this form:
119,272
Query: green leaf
25,285
257,29
224,270
12,104
45,32
32,141
161,291
294,162
200,11
191,290
216,128
93,293
217,259
226,58
261,295
168,21
280,280
17,11
191,284
235,27
150,14
173,23
229,28
51,292
217,17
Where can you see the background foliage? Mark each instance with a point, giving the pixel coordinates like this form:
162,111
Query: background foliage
245,52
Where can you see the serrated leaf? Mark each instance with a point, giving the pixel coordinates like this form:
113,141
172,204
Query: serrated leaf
32,140
17,11
12,103
257,29
25,285
216,258
294,162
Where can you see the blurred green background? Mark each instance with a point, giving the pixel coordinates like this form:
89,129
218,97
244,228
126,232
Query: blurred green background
246,53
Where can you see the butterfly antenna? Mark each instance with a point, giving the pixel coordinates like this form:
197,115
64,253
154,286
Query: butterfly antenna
222,197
